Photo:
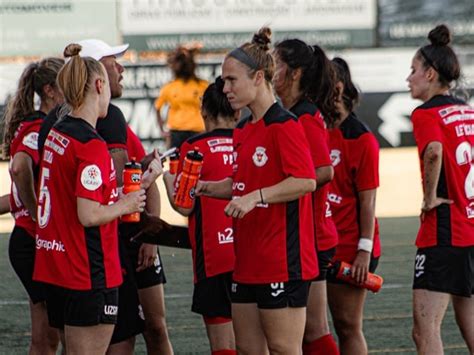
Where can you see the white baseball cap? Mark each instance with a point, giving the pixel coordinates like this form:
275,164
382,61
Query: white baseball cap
98,49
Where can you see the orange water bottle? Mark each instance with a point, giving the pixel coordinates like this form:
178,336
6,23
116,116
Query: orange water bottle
189,177
342,271
132,177
174,161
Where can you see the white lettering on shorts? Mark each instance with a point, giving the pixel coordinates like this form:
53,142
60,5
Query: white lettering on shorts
110,310
278,287
420,264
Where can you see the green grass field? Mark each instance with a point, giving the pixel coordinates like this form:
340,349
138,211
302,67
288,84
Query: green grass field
387,321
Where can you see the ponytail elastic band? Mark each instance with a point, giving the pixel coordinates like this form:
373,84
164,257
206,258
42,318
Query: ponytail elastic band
242,56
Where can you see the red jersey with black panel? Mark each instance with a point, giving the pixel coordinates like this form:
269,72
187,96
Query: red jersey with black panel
355,158
25,140
273,242
449,121
76,163
210,230
134,146
315,130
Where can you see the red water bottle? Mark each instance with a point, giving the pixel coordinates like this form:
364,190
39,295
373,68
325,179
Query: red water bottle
342,271
132,177
189,177
174,161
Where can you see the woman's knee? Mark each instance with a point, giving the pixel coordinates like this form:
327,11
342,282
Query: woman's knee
347,326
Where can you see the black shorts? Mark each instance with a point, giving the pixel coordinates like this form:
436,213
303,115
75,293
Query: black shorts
211,296
21,250
81,308
331,278
272,295
154,275
445,269
324,258
130,321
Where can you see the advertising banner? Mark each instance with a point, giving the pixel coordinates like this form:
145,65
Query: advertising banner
45,27
220,24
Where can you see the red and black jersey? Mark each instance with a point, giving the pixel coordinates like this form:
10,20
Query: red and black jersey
273,242
313,124
449,121
113,128
76,163
210,230
355,158
134,145
25,140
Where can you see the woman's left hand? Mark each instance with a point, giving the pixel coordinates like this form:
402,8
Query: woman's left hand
154,170
146,256
360,266
240,206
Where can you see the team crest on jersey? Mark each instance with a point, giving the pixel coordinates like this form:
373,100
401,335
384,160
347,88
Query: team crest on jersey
260,158
335,157
91,177
31,140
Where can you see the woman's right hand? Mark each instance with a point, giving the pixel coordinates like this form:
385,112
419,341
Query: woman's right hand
133,201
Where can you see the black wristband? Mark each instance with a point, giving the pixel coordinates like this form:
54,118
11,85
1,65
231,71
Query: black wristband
261,197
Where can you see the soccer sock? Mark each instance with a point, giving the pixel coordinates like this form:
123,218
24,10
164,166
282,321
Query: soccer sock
326,345
224,352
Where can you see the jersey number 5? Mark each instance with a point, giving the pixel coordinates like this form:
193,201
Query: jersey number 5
464,155
44,200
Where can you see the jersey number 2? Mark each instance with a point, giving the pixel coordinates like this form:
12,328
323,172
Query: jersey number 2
464,155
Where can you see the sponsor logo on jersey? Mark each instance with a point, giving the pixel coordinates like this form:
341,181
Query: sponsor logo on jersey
222,149
219,141
59,138
48,245
91,177
334,198
260,158
240,186
226,237
335,157
470,210
110,310
48,156
31,140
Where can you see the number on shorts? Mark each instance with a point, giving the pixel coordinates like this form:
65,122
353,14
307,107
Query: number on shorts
44,200
464,155
420,264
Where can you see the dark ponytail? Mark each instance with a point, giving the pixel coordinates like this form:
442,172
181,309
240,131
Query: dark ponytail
215,102
318,78
440,56
350,94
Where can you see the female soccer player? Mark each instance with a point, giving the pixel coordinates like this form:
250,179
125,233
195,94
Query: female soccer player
183,96
211,232
77,241
355,158
444,133
275,258
305,82
22,124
